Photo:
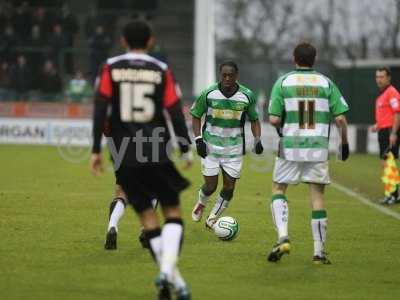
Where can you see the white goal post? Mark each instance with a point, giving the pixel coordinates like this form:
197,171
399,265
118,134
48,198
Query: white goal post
204,45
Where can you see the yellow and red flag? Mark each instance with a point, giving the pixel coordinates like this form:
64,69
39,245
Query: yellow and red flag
390,177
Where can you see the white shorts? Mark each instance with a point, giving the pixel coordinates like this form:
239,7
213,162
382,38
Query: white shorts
211,165
293,172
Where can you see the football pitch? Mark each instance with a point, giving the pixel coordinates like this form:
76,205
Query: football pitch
54,216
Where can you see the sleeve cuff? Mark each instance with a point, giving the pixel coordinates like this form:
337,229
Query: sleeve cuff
96,149
195,115
274,114
341,113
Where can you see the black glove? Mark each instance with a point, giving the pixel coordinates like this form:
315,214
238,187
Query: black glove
344,152
184,148
201,147
258,147
279,131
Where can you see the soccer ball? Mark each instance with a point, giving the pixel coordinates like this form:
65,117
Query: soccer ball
226,228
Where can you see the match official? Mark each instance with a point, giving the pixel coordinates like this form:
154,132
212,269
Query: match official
387,117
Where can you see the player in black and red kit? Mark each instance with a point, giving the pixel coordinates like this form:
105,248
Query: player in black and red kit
133,91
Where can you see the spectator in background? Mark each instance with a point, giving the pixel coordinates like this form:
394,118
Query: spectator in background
42,19
35,39
36,42
57,43
9,41
70,27
5,14
21,78
158,52
108,18
93,19
6,91
79,88
22,20
99,46
50,82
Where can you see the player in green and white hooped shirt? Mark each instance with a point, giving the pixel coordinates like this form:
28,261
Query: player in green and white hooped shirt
302,104
220,142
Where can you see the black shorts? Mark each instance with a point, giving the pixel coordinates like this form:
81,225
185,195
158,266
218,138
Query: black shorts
143,183
383,139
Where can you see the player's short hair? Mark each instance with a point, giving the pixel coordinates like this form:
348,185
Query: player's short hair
137,34
304,54
385,69
229,63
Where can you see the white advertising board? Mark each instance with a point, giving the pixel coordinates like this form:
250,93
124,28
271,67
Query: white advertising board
75,132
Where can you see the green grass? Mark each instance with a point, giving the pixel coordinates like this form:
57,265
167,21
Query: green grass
363,174
53,221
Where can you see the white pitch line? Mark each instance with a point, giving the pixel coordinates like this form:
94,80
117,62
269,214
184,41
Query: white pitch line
365,200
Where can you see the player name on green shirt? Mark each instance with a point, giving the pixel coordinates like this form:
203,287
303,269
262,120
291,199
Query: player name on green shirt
306,101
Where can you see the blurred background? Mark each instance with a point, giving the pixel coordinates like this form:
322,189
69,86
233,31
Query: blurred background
352,38
50,50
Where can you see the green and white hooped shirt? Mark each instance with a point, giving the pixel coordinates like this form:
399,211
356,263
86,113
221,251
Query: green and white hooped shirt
306,101
223,129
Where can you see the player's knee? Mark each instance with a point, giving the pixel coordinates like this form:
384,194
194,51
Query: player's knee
228,186
208,189
149,219
278,188
172,212
119,193
228,182
227,194
317,201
